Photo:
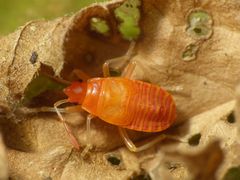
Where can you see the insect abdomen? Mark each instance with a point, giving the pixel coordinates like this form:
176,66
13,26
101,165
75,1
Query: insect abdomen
151,109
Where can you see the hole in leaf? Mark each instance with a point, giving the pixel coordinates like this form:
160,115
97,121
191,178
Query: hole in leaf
190,52
197,30
143,175
113,159
99,25
39,85
199,24
232,174
231,118
194,140
129,15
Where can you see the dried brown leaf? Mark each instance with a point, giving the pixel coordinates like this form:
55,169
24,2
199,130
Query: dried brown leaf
67,43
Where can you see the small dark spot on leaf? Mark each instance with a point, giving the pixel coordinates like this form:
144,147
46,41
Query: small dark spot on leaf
205,83
172,165
115,161
231,118
34,57
143,175
194,140
89,58
232,174
197,30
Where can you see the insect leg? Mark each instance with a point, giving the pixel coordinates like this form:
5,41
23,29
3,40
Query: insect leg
40,109
118,62
80,74
70,134
70,109
128,71
88,139
131,146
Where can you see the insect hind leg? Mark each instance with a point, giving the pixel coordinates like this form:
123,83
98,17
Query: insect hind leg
118,62
132,147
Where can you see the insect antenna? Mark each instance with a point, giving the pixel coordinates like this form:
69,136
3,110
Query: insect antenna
47,109
70,134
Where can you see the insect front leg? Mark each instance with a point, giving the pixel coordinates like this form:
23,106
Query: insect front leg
72,138
118,62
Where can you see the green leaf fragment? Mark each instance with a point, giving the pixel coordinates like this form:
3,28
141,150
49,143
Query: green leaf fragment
129,15
39,85
99,25
232,174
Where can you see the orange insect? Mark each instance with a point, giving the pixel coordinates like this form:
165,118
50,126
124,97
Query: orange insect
123,102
